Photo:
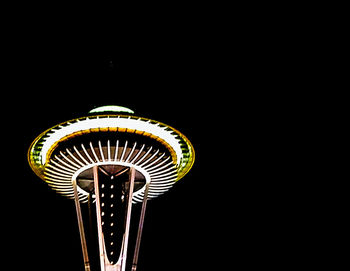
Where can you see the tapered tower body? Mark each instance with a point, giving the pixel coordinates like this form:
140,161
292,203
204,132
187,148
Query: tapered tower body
110,160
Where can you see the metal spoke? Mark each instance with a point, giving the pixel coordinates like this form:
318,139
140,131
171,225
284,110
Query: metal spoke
128,216
104,171
99,219
81,228
139,232
120,172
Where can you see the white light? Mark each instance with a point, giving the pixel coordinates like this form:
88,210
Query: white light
111,108
111,122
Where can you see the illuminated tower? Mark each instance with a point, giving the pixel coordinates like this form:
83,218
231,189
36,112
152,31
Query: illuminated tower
110,159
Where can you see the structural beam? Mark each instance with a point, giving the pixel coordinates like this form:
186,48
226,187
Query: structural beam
139,232
81,228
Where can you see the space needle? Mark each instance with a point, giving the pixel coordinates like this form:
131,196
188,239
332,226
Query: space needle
109,160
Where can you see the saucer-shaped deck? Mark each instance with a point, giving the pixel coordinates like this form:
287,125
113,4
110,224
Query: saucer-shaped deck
67,152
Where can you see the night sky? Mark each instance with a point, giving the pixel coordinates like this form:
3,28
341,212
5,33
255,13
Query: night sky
191,79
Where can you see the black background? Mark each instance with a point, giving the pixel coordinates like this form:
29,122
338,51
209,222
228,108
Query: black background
197,75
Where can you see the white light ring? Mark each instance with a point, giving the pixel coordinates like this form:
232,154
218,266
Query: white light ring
119,163
59,132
